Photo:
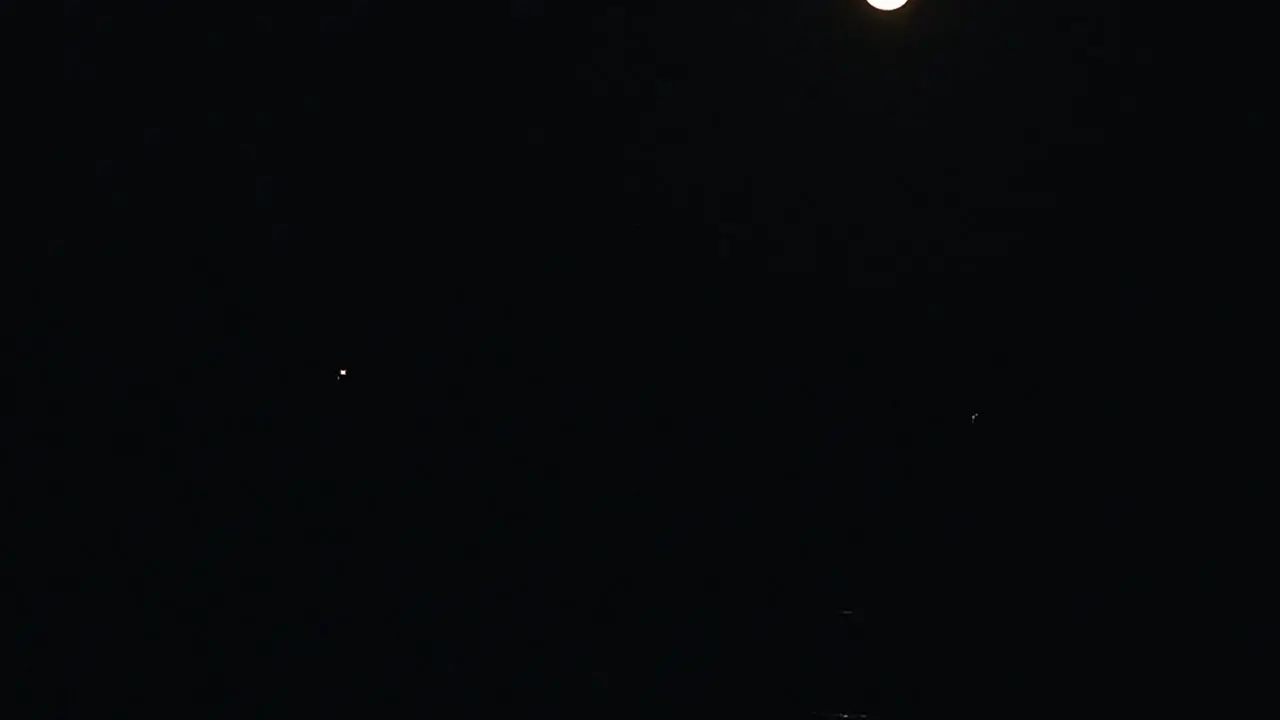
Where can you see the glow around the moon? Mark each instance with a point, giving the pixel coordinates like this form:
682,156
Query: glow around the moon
886,4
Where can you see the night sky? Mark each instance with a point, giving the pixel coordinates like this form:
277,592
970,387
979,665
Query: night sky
769,359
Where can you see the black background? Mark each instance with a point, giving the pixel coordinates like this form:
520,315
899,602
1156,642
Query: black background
664,328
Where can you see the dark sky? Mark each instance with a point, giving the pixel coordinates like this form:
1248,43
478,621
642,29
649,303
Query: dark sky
664,323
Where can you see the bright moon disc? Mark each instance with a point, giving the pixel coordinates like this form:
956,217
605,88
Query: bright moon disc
886,4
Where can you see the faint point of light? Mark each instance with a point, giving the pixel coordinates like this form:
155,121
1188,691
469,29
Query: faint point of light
886,4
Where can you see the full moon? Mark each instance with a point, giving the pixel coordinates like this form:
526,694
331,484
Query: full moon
886,4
